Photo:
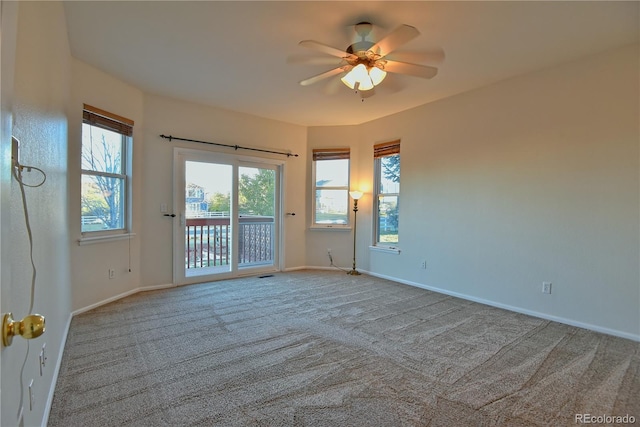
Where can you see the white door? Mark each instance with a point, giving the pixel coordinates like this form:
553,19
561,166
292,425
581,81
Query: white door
228,216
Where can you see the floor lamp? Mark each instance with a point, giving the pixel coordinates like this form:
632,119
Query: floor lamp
355,195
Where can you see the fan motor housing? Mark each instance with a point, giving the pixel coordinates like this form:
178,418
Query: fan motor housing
359,48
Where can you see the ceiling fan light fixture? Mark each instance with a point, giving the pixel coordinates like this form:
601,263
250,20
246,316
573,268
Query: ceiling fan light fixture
361,78
366,84
350,79
361,74
377,75
364,63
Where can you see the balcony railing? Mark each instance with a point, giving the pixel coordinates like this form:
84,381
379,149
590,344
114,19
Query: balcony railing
207,241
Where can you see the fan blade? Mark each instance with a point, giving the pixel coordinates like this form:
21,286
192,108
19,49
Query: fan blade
416,70
325,75
395,39
313,60
333,86
434,56
393,83
321,47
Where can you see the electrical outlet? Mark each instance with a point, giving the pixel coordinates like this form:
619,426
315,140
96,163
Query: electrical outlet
423,265
546,287
329,251
112,273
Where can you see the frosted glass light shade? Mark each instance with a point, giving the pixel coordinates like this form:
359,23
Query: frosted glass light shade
359,78
366,83
350,80
355,195
377,75
360,72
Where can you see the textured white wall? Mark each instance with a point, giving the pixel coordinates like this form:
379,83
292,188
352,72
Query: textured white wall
340,241
90,263
192,121
529,180
38,100
151,247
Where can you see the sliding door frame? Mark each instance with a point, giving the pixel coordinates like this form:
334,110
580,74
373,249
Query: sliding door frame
180,157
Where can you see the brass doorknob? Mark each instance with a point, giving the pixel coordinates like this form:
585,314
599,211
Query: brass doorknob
32,326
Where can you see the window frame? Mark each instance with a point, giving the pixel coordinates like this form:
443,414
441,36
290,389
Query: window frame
325,154
382,150
105,120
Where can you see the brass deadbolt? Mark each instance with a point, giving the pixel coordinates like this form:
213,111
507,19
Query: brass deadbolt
32,326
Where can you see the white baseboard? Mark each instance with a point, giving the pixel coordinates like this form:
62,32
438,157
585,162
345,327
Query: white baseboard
294,268
56,371
120,296
570,322
327,268
307,267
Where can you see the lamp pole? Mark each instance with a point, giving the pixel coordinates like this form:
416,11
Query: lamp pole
355,195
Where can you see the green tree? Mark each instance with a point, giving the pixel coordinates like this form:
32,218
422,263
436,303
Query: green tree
219,202
257,193
391,167
93,202
391,171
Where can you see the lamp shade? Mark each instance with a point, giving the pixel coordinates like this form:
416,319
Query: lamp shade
355,195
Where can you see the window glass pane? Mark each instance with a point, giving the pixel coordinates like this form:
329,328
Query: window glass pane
390,174
331,206
388,188
332,173
101,150
102,203
256,192
388,219
208,190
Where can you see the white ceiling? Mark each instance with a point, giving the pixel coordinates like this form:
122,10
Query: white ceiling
237,54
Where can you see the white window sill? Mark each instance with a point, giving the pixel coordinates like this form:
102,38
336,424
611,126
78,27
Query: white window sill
385,249
330,228
101,239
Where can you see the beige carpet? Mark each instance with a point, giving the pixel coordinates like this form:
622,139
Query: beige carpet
321,348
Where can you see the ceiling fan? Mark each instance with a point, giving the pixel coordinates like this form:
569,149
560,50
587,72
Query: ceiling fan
365,64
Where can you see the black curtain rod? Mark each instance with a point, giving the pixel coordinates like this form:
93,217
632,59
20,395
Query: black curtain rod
235,147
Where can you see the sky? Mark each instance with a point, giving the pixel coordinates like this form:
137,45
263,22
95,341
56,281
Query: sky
213,177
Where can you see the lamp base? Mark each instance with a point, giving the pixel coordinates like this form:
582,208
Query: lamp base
353,272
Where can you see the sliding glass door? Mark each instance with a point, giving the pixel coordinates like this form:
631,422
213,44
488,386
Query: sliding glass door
206,218
256,216
229,216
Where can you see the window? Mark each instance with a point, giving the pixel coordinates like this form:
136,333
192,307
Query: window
331,187
387,189
106,140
